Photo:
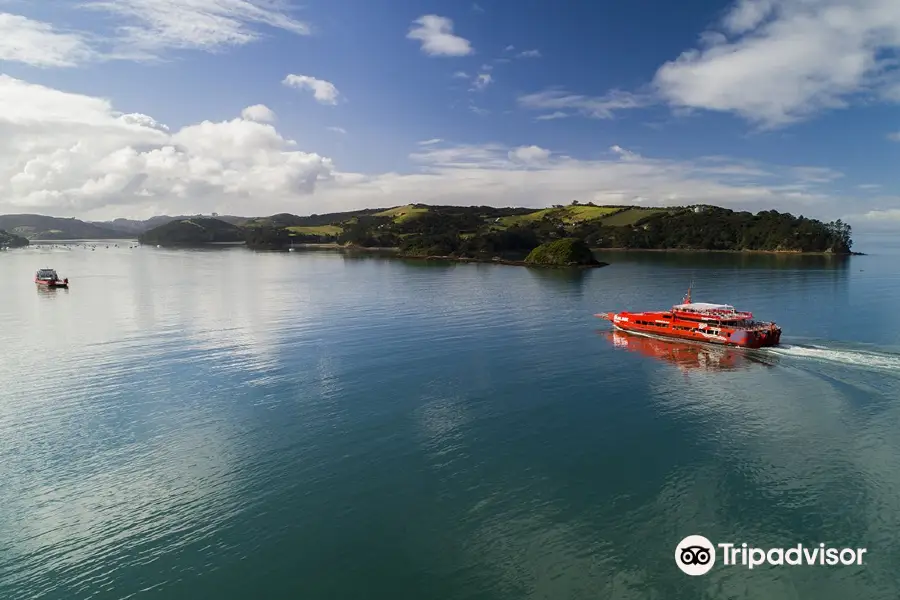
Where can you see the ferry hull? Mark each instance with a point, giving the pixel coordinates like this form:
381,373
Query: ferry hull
52,284
761,337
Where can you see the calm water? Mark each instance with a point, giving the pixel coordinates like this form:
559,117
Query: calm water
232,425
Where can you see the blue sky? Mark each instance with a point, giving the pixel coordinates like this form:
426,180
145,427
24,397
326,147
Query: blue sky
754,104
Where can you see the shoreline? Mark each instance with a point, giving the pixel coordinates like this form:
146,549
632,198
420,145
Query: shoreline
336,246
702,250
500,261
460,259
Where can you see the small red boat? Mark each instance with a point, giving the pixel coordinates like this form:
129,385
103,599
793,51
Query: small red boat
49,278
702,322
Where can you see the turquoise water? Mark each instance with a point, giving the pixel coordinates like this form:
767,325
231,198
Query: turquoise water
229,424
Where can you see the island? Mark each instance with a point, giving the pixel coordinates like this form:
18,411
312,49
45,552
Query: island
512,233
509,235
10,240
566,252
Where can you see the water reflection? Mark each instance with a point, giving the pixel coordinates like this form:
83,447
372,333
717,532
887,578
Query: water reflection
714,260
688,356
48,292
566,279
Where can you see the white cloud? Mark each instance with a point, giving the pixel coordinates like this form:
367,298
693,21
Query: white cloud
878,219
259,113
339,130
600,107
66,153
552,116
778,61
529,154
509,48
892,214
623,153
460,75
151,26
494,174
323,91
74,155
869,186
894,137
477,8
38,44
481,81
431,142
437,37
529,54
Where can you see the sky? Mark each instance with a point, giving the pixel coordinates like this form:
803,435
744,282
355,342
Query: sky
135,108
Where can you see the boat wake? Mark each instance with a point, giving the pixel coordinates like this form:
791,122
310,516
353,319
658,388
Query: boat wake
865,359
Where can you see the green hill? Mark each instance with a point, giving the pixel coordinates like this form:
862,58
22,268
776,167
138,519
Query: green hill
480,231
196,230
564,252
10,240
40,227
484,232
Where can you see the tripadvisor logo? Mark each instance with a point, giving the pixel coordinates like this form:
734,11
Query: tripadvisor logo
696,555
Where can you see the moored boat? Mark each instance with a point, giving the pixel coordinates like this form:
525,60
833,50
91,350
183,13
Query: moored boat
49,278
702,322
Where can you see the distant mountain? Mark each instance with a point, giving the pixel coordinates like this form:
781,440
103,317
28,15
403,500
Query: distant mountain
41,227
137,226
193,230
11,240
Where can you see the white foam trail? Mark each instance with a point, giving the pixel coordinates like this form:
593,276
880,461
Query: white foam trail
866,359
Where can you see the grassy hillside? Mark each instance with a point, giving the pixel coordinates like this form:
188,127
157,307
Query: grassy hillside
400,214
196,230
512,233
136,227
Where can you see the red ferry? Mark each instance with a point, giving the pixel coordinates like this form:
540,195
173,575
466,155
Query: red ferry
702,322
49,278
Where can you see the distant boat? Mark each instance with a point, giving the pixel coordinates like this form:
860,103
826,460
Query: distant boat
702,322
49,278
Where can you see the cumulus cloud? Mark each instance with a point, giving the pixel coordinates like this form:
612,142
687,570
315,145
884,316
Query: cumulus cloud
67,153
774,62
437,38
323,91
75,155
38,44
529,154
259,113
623,153
495,174
878,219
595,107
